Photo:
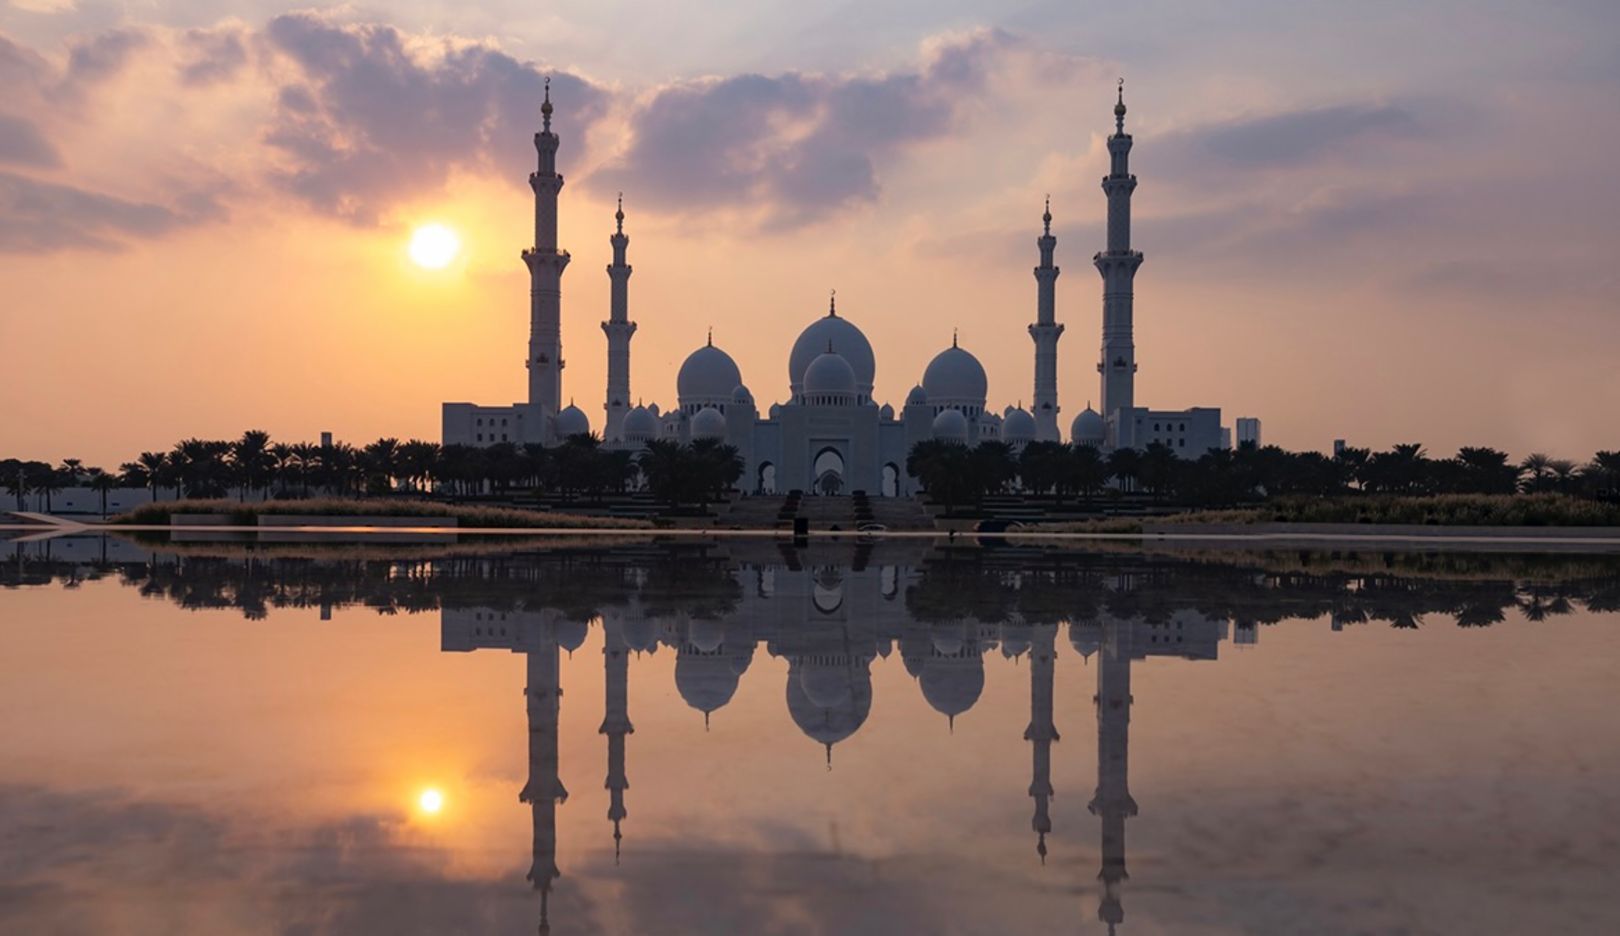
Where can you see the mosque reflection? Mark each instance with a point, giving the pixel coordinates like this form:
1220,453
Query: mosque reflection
831,610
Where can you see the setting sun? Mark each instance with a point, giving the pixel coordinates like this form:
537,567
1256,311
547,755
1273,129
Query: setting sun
434,246
430,802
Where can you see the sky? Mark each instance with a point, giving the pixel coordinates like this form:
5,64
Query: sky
1385,222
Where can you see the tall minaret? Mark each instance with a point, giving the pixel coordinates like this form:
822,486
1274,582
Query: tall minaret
1046,332
1041,732
616,719
1118,266
618,329
544,789
1113,802
546,264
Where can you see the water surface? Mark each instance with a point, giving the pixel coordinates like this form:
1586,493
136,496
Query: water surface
745,737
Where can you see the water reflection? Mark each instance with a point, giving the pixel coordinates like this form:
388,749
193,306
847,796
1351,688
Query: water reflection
831,611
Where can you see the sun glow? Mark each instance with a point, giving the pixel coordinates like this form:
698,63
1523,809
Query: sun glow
434,246
430,802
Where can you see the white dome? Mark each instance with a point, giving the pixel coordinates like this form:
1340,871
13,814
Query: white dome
1087,428
955,378
709,423
829,373
887,412
572,421
950,425
1019,426
952,684
741,396
917,397
640,424
844,339
708,375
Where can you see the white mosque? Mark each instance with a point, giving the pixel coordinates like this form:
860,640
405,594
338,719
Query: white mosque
830,434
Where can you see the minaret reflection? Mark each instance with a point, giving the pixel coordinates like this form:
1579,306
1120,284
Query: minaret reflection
1113,802
616,720
1041,732
544,789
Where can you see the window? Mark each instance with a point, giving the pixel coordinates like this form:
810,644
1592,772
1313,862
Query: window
503,435
480,422
480,437
503,420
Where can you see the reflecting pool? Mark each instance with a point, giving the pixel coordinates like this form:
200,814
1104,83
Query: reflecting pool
744,736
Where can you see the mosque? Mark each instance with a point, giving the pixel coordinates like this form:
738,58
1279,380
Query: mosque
830,434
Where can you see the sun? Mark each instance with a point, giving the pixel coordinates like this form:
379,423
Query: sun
434,246
430,802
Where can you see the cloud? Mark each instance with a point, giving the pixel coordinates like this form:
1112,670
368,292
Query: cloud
212,55
37,217
22,144
103,55
376,115
797,145
1288,139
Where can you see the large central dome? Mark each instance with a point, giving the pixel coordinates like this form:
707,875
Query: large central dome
708,376
955,378
845,340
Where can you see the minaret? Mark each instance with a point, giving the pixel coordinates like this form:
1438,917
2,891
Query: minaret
618,329
546,264
1113,802
616,720
1041,732
1118,266
1046,332
544,789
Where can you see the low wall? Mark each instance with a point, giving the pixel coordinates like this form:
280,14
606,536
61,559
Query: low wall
310,520
1393,530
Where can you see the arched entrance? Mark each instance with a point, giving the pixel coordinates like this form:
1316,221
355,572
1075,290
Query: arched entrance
827,472
891,480
767,478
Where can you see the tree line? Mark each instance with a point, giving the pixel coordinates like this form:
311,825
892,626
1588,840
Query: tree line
955,474
255,466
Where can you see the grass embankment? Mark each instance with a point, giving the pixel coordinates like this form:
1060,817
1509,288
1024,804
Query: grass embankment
466,517
1461,510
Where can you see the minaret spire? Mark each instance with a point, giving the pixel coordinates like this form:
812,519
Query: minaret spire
1113,803
1117,265
1041,732
619,329
1045,332
546,264
616,721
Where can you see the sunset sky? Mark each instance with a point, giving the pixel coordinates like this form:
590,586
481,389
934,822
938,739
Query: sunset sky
1384,221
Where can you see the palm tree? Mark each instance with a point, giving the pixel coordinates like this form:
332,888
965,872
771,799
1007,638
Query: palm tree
1606,466
1537,466
156,467
102,482
14,475
250,456
381,461
1087,470
1125,465
1563,474
44,479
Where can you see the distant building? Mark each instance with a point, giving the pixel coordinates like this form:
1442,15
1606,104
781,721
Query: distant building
830,434
1338,447
1226,438
1248,431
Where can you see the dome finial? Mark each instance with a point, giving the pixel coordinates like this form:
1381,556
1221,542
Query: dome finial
829,757
1047,217
832,303
953,337
711,336
545,107
1119,108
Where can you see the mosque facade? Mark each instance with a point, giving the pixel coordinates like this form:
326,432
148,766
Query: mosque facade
830,434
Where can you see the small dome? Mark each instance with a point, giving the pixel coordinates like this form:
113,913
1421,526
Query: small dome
705,682
1019,426
572,421
845,339
955,377
951,426
887,412
571,634
917,397
1087,428
741,396
709,423
640,425
708,375
829,373
1085,636
952,686
830,725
